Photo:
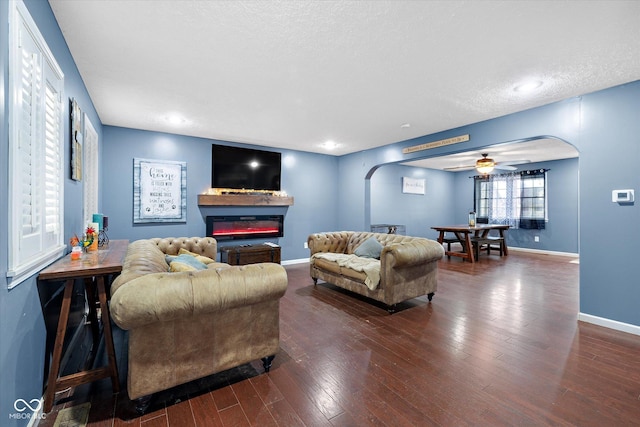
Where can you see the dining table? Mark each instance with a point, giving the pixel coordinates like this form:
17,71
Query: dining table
465,235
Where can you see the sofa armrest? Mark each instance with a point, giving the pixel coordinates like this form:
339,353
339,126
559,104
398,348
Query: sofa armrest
411,252
161,297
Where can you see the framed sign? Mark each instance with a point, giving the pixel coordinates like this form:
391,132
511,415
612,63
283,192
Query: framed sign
159,191
412,185
76,141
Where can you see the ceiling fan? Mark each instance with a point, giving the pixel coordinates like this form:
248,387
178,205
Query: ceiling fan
487,164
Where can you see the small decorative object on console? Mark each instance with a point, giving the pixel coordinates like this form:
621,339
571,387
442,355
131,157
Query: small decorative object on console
103,239
89,240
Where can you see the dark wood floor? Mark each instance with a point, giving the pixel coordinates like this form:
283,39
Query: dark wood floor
499,345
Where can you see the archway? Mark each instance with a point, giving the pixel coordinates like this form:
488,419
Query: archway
449,194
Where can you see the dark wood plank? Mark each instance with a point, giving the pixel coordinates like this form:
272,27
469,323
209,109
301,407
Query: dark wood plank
499,345
204,413
243,200
160,421
180,414
252,405
266,389
224,398
234,416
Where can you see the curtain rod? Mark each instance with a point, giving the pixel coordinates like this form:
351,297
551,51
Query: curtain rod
527,172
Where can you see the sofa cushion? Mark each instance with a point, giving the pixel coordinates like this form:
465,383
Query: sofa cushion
203,259
350,265
370,248
185,262
334,268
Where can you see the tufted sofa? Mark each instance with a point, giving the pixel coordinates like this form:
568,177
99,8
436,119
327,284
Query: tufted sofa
188,325
407,266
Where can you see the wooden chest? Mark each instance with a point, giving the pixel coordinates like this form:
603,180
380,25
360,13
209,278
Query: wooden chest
250,254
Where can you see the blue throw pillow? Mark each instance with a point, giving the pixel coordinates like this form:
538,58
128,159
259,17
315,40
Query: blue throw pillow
370,248
185,263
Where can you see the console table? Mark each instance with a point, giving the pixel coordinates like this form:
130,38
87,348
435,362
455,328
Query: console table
250,254
97,265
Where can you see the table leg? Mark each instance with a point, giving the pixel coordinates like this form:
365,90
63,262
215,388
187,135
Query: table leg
108,337
93,316
54,370
504,242
469,246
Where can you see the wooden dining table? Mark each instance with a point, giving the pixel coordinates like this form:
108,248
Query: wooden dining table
465,233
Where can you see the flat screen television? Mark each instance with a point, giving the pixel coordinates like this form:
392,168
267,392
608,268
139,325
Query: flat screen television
245,168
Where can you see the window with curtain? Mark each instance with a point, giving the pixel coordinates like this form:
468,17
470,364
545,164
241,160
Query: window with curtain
516,199
36,133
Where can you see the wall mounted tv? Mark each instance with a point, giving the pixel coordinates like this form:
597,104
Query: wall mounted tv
244,168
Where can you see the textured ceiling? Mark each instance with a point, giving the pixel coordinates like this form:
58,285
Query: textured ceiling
294,74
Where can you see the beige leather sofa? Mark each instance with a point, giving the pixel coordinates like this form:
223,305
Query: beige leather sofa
407,266
188,325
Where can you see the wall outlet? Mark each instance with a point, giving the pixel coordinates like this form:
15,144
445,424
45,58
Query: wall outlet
306,245
536,238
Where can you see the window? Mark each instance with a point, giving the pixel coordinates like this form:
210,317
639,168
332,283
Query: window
517,199
90,170
36,131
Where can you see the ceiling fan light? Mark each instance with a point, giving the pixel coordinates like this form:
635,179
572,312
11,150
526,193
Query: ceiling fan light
485,165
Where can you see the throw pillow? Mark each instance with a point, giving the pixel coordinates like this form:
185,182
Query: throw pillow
201,258
186,262
370,248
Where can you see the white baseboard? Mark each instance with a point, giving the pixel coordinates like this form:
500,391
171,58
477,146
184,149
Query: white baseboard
540,251
611,324
37,415
295,261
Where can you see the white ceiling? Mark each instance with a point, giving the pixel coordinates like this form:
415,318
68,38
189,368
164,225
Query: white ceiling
294,74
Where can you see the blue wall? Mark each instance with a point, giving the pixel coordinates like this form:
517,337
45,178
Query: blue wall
22,327
609,148
312,180
417,212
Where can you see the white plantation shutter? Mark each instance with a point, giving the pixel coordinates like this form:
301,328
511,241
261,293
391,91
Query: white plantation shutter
30,87
36,130
53,161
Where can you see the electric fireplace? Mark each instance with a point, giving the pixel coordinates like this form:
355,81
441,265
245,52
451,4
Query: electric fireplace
233,227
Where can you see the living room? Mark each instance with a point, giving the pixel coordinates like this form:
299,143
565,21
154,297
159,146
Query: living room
341,193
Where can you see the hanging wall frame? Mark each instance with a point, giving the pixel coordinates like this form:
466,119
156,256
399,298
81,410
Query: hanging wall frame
159,191
76,141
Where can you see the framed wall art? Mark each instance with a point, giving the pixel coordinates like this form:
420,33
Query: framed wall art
76,141
413,185
159,191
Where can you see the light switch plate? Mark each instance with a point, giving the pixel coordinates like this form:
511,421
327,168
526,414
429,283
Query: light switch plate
622,196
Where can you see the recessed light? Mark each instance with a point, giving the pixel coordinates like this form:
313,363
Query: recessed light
330,145
405,125
176,119
528,86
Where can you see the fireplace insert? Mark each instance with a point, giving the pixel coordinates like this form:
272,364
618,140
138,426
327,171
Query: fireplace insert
233,227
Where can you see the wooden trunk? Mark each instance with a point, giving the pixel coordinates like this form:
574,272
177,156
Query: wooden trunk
250,254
